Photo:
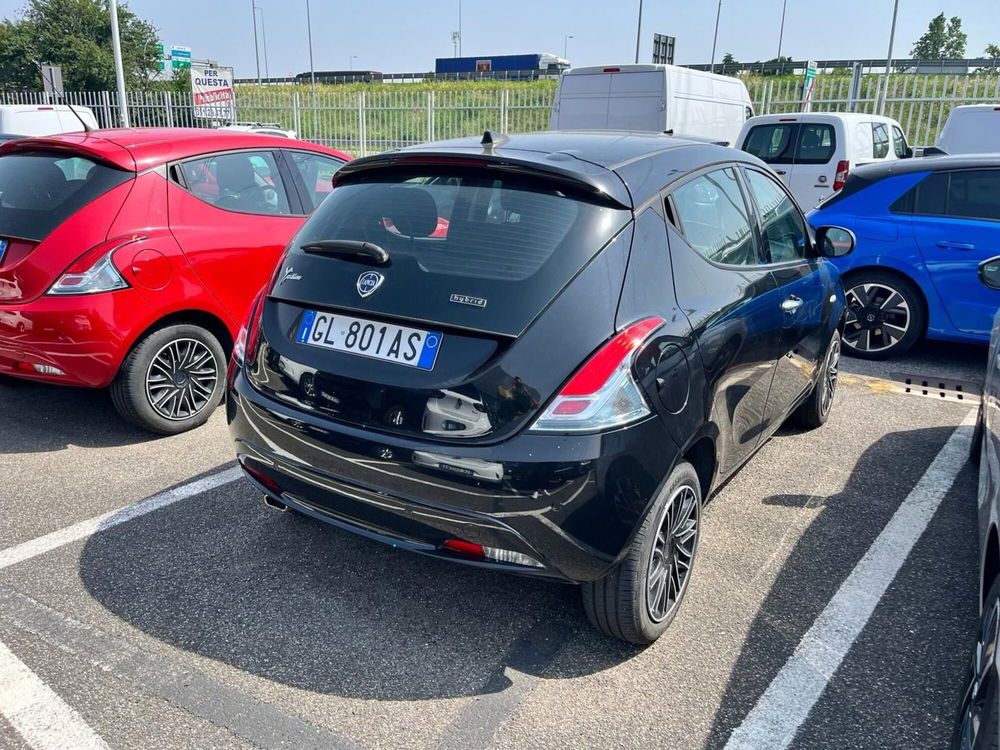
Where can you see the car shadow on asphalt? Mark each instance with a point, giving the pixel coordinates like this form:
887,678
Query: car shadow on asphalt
906,669
302,603
38,417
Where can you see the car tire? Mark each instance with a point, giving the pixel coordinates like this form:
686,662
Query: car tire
885,315
172,380
816,409
978,722
632,602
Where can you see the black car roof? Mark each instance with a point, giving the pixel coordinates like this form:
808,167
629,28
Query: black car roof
629,167
875,172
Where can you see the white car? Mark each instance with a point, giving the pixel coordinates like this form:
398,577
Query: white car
813,152
970,129
261,128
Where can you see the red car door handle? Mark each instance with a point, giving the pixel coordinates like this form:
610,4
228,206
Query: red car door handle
956,245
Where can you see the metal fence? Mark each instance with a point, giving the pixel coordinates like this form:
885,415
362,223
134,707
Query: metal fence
364,122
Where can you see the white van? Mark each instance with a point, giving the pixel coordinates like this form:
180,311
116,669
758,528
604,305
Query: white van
44,119
657,98
813,152
970,129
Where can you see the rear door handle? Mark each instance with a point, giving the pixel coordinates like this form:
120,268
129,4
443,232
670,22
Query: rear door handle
779,171
791,304
956,245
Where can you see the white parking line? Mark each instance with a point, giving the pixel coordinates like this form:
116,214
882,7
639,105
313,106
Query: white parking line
38,714
784,706
40,545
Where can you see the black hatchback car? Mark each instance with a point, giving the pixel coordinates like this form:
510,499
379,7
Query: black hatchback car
539,354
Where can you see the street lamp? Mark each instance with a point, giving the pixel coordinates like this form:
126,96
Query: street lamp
116,43
888,59
263,33
715,39
256,52
566,39
350,62
638,32
781,32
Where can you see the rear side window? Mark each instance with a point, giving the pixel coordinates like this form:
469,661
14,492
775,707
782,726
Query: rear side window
317,175
899,142
469,223
247,182
817,143
714,218
39,191
772,144
880,140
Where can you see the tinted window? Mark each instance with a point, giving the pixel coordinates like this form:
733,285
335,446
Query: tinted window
898,142
243,181
974,195
317,174
714,218
817,143
468,224
880,140
38,192
784,227
773,144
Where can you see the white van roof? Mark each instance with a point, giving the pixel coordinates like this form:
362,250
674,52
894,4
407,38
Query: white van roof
644,68
846,117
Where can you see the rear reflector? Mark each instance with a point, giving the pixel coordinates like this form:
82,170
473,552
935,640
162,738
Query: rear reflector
36,368
491,554
269,484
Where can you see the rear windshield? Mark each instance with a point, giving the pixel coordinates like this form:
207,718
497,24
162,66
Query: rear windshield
792,143
39,191
468,223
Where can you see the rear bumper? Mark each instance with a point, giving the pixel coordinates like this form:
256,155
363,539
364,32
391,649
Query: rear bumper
571,503
85,337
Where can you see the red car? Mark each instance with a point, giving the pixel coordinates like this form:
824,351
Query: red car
128,258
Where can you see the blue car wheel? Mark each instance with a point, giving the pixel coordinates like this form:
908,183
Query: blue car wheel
885,315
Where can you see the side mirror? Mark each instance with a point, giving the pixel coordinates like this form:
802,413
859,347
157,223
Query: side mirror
835,242
989,273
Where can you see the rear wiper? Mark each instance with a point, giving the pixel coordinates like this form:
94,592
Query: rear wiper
349,248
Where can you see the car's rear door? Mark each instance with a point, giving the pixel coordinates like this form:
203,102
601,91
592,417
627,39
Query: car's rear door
729,298
814,165
956,223
774,144
802,282
232,214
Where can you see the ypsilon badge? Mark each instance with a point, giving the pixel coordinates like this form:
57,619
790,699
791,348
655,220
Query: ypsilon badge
368,282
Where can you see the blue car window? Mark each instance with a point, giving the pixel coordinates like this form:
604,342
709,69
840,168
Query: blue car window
974,195
929,197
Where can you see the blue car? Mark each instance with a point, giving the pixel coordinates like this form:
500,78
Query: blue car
923,227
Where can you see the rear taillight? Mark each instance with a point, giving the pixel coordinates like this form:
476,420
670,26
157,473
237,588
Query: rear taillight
245,348
94,271
603,394
843,170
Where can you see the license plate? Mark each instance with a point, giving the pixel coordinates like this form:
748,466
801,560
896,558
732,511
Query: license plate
399,344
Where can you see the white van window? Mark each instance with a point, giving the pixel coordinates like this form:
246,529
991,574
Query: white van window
899,142
772,144
880,140
817,143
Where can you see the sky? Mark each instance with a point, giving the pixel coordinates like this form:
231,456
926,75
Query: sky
393,36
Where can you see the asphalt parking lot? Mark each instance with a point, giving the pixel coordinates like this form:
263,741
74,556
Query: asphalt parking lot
200,618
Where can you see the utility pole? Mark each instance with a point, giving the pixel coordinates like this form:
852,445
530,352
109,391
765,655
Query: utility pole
638,33
256,52
566,39
312,68
888,59
781,33
715,39
116,43
459,28
263,33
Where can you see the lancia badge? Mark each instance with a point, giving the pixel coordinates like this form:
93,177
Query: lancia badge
368,282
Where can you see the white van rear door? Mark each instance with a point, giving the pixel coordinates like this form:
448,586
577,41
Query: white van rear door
637,101
582,103
814,165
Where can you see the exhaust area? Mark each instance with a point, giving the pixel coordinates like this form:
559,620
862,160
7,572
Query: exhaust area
270,502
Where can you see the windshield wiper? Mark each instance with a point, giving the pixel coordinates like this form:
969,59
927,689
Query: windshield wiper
349,249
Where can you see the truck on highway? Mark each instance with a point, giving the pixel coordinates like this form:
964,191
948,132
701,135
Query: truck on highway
515,66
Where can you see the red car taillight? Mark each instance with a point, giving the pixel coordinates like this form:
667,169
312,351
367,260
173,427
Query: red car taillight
843,170
245,348
602,394
94,271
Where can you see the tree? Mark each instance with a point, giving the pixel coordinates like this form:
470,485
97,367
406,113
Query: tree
943,39
993,51
728,59
76,35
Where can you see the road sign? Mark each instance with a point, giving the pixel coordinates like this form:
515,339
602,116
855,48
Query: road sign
808,85
52,80
180,57
663,49
212,90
